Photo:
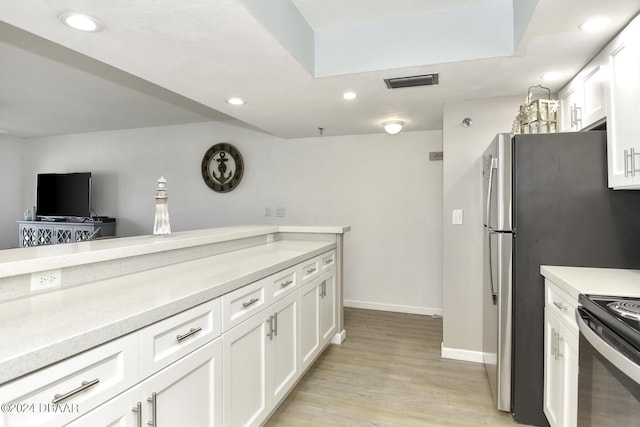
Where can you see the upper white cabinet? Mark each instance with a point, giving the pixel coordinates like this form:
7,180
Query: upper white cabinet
583,100
623,132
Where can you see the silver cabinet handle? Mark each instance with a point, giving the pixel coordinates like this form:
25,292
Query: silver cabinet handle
559,339
560,305
626,163
84,386
138,410
324,288
275,322
285,284
328,260
311,270
632,156
270,333
250,302
553,344
578,117
154,409
192,331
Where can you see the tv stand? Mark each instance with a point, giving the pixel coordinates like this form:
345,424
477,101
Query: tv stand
37,233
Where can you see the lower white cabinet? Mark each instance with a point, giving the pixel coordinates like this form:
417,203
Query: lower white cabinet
186,393
560,360
261,363
317,316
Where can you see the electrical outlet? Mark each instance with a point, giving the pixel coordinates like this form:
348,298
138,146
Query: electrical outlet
267,211
281,212
42,280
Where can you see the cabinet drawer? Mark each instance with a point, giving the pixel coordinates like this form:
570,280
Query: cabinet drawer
327,261
62,392
166,341
243,303
559,302
284,282
310,269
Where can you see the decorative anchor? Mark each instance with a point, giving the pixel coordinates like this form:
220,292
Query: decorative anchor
222,168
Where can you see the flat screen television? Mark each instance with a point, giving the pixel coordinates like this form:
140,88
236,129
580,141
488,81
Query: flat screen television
63,195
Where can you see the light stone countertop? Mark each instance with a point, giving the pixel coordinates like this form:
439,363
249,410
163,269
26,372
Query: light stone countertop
48,257
45,328
597,281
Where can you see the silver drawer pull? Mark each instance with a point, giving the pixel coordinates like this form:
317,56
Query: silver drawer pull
85,385
311,270
328,260
251,301
192,331
285,284
560,306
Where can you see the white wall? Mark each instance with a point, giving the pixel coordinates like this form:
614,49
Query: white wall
384,187
11,207
462,244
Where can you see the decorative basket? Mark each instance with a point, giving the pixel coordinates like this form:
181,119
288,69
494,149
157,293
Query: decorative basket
537,116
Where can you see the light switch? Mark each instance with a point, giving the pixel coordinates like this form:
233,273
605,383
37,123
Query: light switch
457,216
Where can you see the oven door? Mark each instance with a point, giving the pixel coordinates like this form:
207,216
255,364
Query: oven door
609,376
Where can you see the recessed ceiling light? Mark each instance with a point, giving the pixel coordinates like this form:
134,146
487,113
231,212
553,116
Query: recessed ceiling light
81,22
594,24
235,101
551,76
349,96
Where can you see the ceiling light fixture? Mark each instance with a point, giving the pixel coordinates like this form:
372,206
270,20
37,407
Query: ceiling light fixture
235,101
349,96
551,76
595,24
81,22
467,122
392,127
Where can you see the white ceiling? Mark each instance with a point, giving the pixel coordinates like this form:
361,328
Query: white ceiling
177,62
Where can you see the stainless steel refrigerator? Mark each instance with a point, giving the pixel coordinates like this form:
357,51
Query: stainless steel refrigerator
546,202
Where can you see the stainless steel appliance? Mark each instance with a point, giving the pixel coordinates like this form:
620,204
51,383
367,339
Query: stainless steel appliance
546,202
609,361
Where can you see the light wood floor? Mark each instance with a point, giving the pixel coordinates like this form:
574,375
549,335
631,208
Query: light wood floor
389,373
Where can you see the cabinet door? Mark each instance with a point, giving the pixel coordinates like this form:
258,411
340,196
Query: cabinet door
623,132
328,307
594,104
283,364
553,372
309,322
570,107
245,372
188,392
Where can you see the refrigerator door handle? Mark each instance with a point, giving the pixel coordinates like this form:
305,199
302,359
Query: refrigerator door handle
494,293
492,167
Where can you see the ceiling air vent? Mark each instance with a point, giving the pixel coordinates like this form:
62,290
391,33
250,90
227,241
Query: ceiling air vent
423,80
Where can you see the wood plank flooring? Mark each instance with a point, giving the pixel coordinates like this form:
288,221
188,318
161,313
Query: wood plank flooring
389,373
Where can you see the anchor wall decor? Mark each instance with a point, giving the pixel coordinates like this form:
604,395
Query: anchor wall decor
222,167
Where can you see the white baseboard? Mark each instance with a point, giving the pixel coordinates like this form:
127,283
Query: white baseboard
410,309
339,337
461,354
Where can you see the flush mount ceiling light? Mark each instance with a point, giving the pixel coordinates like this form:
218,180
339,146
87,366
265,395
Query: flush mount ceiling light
595,24
467,122
349,96
551,76
392,127
81,22
235,101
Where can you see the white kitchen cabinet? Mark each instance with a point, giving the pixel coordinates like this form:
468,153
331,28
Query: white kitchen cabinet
188,392
261,363
560,358
317,316
623,132
583,100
